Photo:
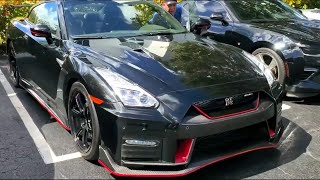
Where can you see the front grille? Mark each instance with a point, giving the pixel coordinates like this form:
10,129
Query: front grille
139,153
229,105
220,144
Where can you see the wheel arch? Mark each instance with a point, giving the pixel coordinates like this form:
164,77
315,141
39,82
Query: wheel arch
69,81
266,44
91,82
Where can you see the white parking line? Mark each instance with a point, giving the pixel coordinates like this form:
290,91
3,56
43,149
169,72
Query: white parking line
285,107
43,147
66,157
13,94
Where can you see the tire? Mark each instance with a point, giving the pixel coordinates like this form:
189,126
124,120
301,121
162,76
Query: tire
13,67
273,61
83,121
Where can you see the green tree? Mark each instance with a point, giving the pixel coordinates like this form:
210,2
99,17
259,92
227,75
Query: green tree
303,4
10,9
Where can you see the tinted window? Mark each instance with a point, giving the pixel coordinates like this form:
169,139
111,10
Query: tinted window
263,10
207,8
45,13
117,18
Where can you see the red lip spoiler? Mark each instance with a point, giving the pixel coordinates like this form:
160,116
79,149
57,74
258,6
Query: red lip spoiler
137,173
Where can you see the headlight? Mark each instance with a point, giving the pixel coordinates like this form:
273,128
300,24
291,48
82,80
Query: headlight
301,45
267,72
130,94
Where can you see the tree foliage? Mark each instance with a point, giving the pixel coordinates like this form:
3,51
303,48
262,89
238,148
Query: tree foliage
10,9
303,4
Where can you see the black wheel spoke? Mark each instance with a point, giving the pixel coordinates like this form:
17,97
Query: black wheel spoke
89,124
79,133
84,138
81,121
76,113
87,113
89,135
80,103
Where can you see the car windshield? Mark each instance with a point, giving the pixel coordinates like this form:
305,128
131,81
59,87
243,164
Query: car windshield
106,18
268,10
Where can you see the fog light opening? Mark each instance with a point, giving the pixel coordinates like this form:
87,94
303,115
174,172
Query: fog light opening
142,142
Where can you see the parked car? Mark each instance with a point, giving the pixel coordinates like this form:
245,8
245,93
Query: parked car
143,99
277,34
312,14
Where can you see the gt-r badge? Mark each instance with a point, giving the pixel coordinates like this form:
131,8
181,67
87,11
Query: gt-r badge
229,101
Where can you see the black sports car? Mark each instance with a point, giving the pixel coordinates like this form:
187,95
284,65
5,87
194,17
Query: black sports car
144,98
277,34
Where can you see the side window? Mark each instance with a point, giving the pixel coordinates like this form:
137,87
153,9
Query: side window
207,8
32,16
46,14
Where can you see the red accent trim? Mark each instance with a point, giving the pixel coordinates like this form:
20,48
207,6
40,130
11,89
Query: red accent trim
52,114
183,150
271,133
286,66
96,100
189,172
37,34
229,115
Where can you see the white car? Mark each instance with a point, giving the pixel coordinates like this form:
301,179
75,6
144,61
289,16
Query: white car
312,14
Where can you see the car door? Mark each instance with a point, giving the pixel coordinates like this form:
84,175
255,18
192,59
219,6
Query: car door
44,69
219,30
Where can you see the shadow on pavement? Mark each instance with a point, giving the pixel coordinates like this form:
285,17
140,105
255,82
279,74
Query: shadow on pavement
19,157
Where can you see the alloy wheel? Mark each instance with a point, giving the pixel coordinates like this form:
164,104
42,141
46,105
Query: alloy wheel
81,122
270,62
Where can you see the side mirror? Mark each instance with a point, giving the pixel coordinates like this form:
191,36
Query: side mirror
200,26
40,30
300,11
219,17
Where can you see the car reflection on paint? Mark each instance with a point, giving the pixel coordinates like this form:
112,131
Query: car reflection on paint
144,99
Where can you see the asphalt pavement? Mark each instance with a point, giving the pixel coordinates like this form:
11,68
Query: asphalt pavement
25,128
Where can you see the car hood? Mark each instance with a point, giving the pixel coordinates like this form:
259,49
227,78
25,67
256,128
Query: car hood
300,31
178,69
181,61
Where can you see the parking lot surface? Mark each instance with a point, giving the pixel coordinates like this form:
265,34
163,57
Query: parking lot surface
35,146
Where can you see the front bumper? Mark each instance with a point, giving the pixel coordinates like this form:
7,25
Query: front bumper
308,86
184,149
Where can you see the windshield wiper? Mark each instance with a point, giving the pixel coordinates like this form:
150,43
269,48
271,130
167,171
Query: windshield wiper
262,20
161,33
87,37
